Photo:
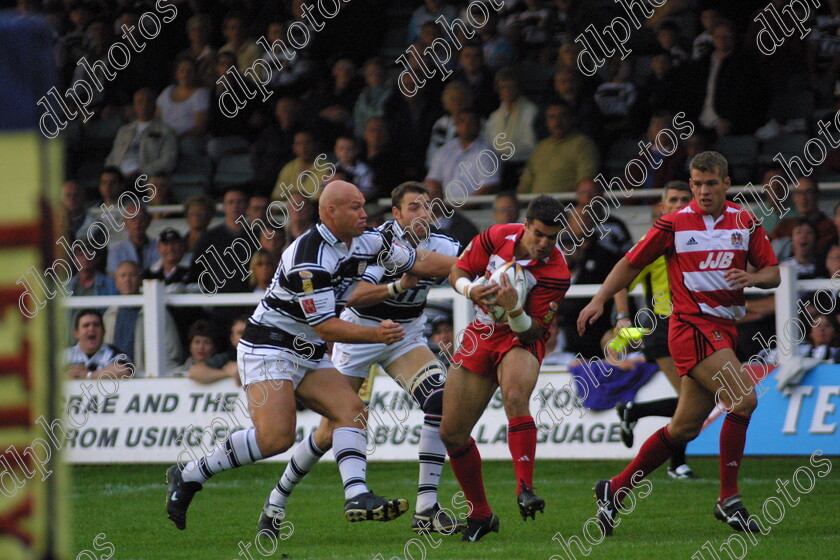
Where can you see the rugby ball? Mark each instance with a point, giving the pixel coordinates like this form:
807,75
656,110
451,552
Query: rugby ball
516,275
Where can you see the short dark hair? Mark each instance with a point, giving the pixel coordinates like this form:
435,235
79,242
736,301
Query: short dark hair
545,209
86,311
675,185
711,162
113,170
202,327
804,222
399,192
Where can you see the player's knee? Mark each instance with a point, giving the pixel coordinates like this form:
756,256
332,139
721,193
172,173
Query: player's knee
684,432
453,436
516,402
426,387
746,405
274,440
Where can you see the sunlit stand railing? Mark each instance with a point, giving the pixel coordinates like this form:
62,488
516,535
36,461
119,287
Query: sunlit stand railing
154,301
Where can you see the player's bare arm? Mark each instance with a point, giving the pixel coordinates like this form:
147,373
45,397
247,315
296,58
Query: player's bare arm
766,278
338,330
432,265
619,278
367,293
478,294
508,298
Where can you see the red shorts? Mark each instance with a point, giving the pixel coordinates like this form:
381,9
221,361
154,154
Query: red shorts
483,347
693,338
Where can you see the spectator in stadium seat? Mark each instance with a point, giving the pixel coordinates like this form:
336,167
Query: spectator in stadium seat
163,193
91,358
146,145
292,175
124,325
346,151
410,120
262,267
613,234
562,160
662,90
506,208
293,76
334,103
456,225
669,167
257,208
776,198
300,220
199,30
668,37
703,44
168,268
73,201
472,71
235,30
382,158
274,144
273,240
720,73
804,247
456,97
442,338
515,117
90,280
201,340
199,210
617,100
805,194
568,87
183,107
498,50
457,162
227,134
822,343
222,365
430,11
139,247
111,186
209,253
372,99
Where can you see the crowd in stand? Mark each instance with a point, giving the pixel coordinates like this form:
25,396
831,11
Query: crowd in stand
515,97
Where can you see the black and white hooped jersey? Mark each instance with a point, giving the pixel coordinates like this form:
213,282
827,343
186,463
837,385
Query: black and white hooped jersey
317,275
105,356
408,305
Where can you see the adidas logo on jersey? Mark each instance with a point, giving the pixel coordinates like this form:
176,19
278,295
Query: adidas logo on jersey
691,241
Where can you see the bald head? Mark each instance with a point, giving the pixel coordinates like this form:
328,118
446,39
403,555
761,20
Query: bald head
341,209
337,193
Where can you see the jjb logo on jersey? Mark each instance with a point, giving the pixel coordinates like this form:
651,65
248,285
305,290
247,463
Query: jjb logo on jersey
717,259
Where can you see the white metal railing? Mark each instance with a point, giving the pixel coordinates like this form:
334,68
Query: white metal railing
154,300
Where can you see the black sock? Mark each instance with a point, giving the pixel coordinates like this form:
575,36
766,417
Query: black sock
678,457
664,407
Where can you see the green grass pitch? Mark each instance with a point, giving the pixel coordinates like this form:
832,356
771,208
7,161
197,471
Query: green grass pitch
126,504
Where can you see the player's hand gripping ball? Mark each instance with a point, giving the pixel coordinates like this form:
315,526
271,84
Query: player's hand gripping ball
516,276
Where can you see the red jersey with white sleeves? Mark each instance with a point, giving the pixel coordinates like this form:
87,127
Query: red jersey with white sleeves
548,278
699,250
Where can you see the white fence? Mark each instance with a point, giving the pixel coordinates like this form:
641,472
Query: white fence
154,300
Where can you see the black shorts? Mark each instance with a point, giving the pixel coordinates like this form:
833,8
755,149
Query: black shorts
655,345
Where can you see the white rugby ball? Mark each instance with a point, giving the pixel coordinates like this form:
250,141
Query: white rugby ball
516,276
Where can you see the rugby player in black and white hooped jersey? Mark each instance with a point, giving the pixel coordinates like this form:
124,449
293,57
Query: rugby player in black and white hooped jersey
281,355
401,298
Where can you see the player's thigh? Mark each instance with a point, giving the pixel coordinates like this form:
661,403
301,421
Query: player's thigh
330,394
517,373
465,396
666,364
693,407
405,367
721,373
271,404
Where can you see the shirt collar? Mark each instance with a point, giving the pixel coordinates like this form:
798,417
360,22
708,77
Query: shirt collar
328,236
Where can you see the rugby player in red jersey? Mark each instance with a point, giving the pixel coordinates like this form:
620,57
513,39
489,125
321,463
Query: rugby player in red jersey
708,246
506,355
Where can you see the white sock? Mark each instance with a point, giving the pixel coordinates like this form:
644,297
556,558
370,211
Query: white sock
432,454
306,456
349,448
237,450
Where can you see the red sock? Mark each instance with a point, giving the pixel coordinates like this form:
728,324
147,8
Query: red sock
733,437
656,450
466,464
522,442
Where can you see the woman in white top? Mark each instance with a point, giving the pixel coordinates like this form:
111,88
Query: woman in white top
183,106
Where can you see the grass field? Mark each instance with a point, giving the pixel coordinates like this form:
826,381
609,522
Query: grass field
126,503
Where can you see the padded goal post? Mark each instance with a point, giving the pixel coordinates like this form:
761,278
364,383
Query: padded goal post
31,480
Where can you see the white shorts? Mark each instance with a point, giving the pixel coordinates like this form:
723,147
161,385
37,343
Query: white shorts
354,360
273,367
